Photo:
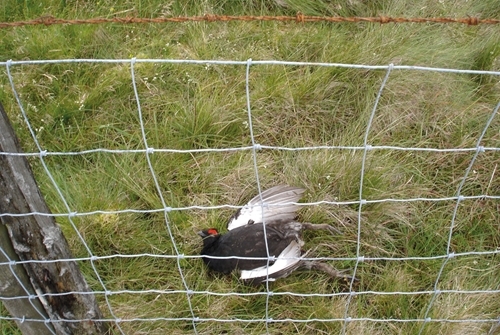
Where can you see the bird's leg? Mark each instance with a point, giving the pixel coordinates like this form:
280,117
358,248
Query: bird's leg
320,226
332,272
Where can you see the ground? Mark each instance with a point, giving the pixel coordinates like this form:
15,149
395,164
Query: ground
424,133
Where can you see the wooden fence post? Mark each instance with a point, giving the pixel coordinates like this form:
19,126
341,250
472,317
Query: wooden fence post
38,237
10,287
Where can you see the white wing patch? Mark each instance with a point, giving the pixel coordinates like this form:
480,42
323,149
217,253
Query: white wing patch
246,215
286,262
257,212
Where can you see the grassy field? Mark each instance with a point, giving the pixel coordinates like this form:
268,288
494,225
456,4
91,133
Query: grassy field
82,106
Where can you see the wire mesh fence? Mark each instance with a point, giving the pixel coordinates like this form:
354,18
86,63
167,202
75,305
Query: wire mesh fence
132,140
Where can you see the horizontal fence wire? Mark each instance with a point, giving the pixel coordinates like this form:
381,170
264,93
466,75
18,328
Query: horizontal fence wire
49,20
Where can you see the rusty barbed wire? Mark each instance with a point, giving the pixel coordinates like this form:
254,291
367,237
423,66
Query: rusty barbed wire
299,18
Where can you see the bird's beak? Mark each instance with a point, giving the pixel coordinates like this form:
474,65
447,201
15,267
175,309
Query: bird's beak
202,234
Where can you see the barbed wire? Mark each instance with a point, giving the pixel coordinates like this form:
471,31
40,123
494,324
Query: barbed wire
49,20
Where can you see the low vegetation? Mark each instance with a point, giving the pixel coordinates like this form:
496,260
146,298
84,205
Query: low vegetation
80,106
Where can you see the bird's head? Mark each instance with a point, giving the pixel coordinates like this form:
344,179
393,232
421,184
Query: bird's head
208,232
209,236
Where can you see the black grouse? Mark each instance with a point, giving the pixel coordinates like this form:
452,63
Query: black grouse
246,239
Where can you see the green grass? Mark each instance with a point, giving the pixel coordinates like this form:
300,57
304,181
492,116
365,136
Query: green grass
82,106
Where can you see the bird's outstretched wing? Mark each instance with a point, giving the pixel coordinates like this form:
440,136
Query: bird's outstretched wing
270,209
286,262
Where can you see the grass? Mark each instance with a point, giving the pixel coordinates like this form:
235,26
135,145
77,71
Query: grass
75,107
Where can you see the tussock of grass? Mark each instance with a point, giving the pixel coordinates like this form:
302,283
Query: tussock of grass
74,107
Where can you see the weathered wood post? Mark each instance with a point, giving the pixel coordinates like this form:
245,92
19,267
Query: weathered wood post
14,282
38,237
